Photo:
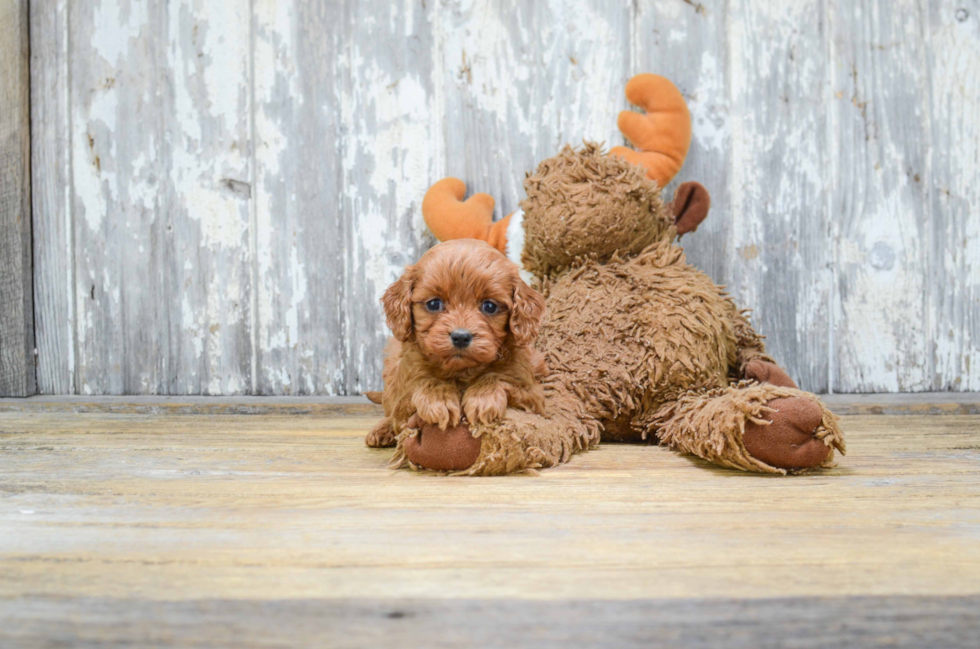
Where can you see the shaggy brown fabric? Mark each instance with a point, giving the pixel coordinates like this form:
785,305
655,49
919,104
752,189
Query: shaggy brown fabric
638,343
750,346
628,335
711,424
521,441
587,205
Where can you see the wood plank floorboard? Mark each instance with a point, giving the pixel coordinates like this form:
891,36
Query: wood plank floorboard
265,530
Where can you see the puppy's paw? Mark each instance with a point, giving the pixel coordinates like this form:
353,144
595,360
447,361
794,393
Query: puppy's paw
485,405
382,436
440,406
530,399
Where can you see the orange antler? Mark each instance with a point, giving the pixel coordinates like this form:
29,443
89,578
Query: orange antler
450,217
663,135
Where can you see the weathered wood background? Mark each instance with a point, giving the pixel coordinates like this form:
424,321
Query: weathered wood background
222,190
17,375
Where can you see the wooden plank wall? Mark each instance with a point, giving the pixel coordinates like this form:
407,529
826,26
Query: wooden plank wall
223,190
17,375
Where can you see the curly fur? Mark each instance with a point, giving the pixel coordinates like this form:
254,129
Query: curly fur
711,423
584,204
426,374
638,343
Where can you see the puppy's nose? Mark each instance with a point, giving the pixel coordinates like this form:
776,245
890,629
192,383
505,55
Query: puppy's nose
461,338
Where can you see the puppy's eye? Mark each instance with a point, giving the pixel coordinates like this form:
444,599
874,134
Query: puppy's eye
434,305
489,307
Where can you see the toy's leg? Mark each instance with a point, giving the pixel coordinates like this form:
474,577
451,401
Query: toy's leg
381,436
427,446
520,441
764,371
753,427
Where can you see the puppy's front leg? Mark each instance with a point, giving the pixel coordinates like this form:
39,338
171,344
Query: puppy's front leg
437,403
486,400
383,435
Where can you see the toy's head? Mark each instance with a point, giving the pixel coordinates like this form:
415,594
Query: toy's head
584,203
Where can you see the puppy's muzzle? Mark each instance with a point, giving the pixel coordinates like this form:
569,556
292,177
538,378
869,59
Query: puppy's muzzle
461,338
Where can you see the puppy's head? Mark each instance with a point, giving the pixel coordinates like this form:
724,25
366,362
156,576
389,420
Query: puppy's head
462,304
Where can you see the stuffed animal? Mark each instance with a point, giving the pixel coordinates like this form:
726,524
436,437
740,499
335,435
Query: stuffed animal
639,345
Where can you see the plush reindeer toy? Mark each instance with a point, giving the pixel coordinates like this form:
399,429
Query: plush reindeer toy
639,345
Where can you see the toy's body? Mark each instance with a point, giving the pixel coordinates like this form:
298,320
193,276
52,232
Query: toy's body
639,344
633,335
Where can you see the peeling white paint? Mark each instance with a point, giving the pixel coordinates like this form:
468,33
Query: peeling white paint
165,173
394,158
87,182
219,215
191,325
883,326
157,116
955,92
114,29
711,126
297,297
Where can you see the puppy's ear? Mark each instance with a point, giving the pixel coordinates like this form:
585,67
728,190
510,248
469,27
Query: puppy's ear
526,314
397,302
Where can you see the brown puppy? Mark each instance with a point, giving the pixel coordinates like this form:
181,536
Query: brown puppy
464,323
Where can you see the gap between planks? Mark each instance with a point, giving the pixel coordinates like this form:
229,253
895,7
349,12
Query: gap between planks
921,403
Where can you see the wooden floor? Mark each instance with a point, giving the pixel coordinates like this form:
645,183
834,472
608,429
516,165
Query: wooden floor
129,527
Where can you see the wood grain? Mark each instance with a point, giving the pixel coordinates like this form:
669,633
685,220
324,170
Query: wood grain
520,80
808,622
688,43
920,403
170,528
337,225
391,117
882,224
954,252
219,202
54,284
779,208
299,312
161,154
17,374
268,507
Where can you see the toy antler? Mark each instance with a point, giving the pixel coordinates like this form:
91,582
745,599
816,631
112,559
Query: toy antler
662,136
450,217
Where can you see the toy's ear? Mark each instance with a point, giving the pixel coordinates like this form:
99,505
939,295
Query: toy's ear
526,313
690,206
397,302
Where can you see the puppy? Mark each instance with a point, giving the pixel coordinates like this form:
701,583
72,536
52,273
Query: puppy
464,323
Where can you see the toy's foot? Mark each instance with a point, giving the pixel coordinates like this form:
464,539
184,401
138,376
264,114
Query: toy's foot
788,442
382,436
432,448
766,372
